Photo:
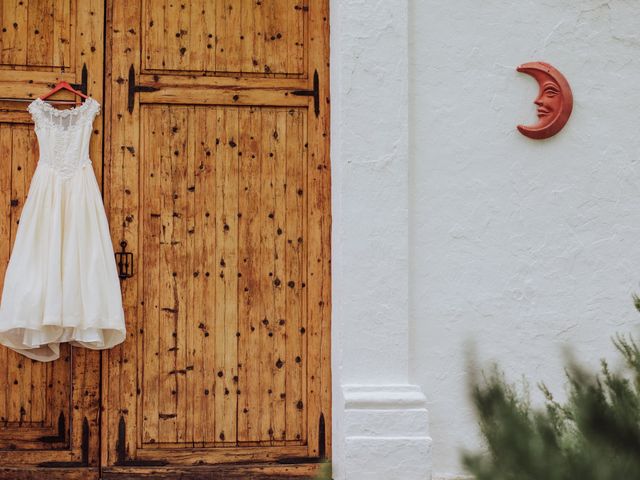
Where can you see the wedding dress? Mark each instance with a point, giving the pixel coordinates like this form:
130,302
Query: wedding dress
61,283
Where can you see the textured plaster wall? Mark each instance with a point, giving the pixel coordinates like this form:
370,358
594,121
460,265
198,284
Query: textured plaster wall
369,146
520,247
380,421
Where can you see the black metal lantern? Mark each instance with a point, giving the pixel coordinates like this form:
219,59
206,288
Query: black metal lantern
124,262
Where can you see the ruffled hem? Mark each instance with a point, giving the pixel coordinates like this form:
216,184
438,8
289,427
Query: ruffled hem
43,344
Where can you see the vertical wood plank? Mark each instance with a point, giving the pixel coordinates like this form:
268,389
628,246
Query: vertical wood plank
192,273
59,386
39,30
26,153
171,43
272,279
3,40
295,36
150,172
153,48
197,408
77,17
36,409
121,366
228,50
183,281
63,23
129,194
5,248
5,197
279,141
268,281
259,61
114,199
183,35
250,287
9,37
247,31
318,328
296,279
210,29
208,174
15,361
197,36
176,36
85,25
22,35
275,19
227,279
168,290
58,33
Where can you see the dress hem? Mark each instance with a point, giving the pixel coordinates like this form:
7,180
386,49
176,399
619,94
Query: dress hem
44,344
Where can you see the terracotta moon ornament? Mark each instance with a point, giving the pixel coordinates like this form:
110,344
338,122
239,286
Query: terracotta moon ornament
554,101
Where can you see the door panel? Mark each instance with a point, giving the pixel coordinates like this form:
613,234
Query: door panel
241,36
217,178
48,411
223,294
38,33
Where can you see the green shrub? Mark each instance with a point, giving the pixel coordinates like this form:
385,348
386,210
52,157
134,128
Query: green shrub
593,435
324,471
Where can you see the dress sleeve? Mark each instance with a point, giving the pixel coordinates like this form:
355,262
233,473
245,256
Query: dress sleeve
34,111
95,109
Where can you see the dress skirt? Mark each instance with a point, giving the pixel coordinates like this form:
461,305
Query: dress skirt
61,283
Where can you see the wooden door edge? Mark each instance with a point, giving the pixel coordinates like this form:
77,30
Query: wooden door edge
257,471
30,473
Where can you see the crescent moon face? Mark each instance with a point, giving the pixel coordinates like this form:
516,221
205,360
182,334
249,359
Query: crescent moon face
554,101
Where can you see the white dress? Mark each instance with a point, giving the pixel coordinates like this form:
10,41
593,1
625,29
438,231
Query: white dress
61,283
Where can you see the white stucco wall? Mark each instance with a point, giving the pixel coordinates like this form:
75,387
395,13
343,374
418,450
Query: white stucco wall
518,246
380,423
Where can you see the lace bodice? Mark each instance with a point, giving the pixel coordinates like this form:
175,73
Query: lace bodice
64,135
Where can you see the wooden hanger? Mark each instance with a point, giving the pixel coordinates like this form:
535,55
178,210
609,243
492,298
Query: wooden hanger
60,86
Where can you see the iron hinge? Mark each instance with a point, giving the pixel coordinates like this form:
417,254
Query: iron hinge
83,85
121,451
133,88
84,450
322,438
322,448
62,432
315,93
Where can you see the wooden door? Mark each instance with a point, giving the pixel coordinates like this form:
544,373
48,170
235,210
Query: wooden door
49,412
217,180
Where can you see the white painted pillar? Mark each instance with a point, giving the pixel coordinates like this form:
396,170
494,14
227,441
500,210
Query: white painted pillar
380,426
